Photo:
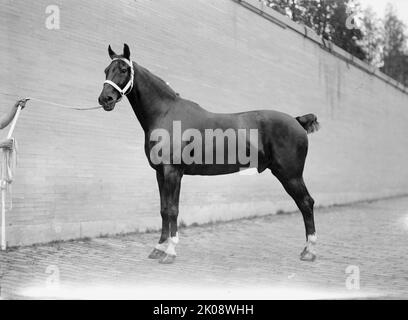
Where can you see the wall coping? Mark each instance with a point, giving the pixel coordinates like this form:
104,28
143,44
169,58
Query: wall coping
285,22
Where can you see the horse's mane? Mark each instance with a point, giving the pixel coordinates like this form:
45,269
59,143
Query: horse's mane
159,83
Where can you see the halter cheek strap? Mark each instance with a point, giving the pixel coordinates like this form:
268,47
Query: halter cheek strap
128,87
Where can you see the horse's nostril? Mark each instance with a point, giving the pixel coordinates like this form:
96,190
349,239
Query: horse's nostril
105,99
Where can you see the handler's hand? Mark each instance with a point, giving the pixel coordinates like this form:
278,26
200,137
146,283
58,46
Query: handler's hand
7,144
21,103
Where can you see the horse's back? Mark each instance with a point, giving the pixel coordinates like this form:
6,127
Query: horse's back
193,112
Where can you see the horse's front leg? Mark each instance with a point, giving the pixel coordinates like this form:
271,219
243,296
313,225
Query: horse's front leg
171,194
160,248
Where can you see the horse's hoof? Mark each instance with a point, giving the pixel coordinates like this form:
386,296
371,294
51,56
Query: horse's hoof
168,259
156,254
307,255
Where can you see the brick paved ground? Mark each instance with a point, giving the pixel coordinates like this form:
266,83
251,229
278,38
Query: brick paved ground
256,258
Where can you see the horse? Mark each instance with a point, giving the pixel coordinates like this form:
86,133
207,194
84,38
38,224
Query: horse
280,144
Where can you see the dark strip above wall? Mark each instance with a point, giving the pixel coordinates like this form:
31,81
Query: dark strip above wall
285,22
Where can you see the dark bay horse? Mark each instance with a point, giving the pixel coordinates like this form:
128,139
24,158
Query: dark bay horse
180,136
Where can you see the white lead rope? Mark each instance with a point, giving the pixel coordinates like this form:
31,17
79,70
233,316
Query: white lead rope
64,105
54,103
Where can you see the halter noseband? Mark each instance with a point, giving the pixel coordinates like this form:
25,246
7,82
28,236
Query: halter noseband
129,85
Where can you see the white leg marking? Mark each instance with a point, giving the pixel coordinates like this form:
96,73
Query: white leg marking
311,243
171,249
162,246
312,238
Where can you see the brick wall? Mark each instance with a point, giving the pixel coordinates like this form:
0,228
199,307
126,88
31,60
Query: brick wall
85,173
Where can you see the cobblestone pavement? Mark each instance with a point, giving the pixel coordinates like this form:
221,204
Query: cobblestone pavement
253,258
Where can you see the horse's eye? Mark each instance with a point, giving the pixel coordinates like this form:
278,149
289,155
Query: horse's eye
123,70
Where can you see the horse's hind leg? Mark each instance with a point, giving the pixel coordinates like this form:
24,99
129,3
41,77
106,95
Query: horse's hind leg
296,188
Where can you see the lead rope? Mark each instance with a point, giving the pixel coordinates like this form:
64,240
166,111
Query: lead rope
54,103
64,105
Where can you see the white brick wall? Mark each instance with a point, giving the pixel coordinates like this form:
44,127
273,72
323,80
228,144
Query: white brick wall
85,173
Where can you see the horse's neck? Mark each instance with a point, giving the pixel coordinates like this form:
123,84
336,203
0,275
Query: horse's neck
146,98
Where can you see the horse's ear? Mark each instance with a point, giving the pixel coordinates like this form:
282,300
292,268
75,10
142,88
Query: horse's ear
111,52
126,51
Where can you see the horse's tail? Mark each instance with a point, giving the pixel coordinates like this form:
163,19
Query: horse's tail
309,122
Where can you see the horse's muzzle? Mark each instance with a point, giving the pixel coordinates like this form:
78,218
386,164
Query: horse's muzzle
109,107
107,102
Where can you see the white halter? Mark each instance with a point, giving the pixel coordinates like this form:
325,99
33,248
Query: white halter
129,85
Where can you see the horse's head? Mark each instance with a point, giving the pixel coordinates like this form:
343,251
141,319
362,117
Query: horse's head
119,79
